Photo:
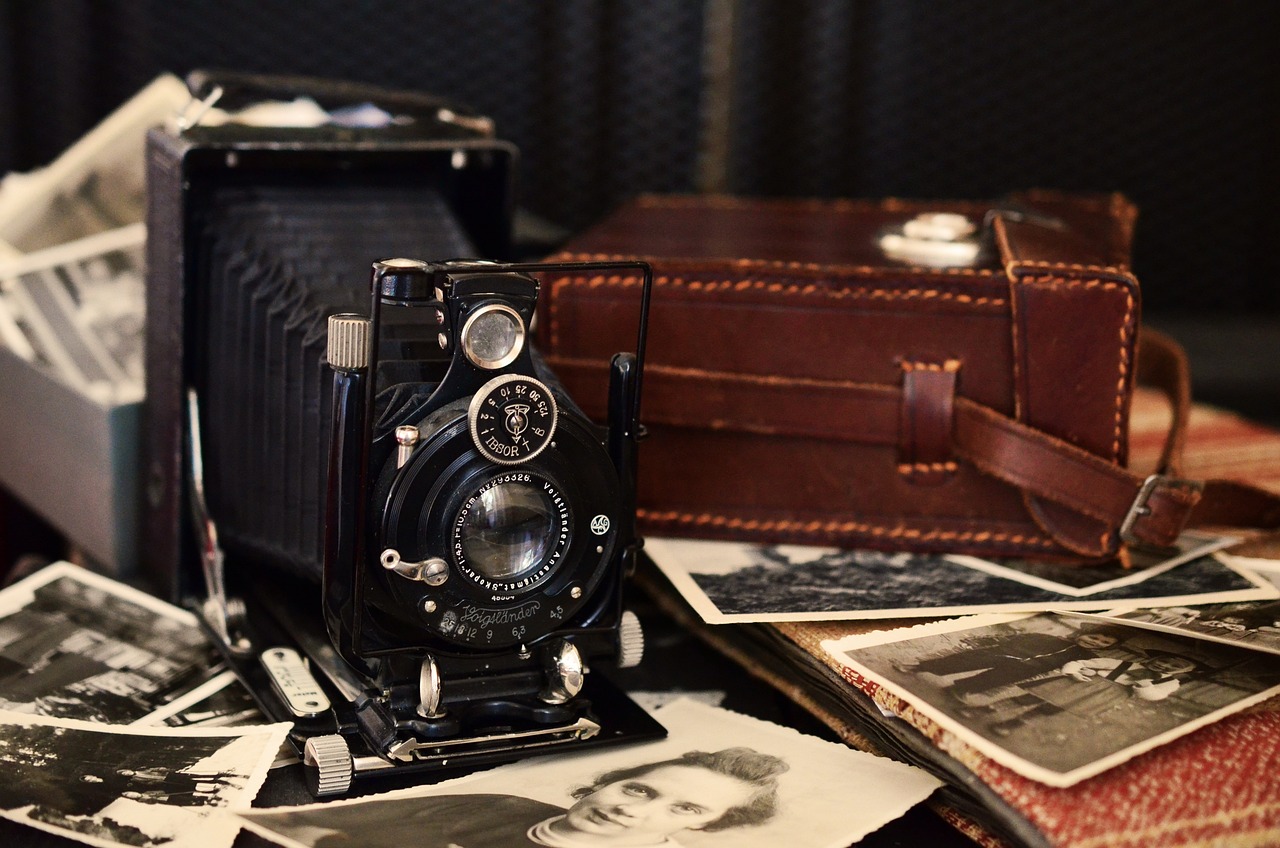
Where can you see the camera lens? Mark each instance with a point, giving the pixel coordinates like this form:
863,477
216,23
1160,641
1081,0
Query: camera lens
508,530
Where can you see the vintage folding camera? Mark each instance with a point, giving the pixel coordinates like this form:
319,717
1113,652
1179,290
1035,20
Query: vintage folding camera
412,544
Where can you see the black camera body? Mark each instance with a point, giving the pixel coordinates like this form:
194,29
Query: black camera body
431,598
477,520
479,526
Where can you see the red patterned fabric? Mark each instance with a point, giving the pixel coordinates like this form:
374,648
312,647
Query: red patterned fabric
1215,787
1219,444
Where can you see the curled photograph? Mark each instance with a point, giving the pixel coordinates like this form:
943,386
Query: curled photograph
1059,697
720,778
110,786
77,645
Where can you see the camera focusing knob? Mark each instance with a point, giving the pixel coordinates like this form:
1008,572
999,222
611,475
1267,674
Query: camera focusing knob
348,342
565,672
329,764
630,640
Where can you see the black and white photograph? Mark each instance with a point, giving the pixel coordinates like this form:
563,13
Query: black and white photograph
74,644
736,582
222,702
1059,697
719,778
131,786
1085,579
1250,624
78,309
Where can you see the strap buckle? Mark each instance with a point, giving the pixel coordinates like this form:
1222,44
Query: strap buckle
1138,509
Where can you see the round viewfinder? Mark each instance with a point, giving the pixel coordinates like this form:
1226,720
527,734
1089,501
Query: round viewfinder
493,336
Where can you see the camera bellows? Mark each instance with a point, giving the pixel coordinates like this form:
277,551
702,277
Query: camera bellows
274,262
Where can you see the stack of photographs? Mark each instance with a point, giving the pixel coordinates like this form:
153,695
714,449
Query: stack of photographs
1000,677
117,725
77,311
116,728
277,262
96,185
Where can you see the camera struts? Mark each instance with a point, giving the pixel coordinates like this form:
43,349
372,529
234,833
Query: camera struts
480,529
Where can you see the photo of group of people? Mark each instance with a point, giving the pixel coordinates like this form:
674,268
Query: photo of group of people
1060,697
1254,624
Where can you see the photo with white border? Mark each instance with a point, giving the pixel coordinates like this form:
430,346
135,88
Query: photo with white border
1060,697
739,582
1249,624
112,785
719,778
77,645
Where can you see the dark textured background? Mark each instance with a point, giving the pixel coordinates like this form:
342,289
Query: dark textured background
1171,101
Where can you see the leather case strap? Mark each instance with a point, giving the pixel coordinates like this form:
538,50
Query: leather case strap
1123,506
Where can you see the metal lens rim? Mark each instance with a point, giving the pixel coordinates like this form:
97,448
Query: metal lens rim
552,558
516,347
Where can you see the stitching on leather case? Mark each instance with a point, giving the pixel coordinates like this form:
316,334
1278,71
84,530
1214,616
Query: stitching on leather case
767,525
951,365
791,265
859,293
917,467
1126,333
1072,266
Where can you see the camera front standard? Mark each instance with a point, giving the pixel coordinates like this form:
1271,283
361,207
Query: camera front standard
480,527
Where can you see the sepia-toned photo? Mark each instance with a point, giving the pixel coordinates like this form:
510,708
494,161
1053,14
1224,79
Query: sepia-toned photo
735,582
77,645
1250,624
131,786
720,778
1060,697
1083,580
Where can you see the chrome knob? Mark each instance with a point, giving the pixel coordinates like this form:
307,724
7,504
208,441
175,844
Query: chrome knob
329,765
630,640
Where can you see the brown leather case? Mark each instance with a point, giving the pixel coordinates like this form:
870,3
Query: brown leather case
802,387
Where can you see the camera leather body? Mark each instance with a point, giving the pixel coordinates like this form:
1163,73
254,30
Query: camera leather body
805,386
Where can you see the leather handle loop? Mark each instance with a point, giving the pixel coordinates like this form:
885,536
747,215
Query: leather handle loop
1162,365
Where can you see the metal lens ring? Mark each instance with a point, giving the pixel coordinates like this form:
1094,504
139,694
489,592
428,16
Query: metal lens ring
493,336
511,532
537,549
